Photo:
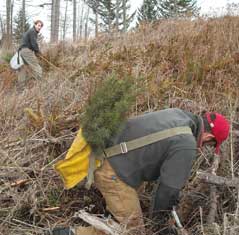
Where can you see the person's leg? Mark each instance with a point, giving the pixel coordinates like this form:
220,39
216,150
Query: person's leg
121,200
22,74
31,60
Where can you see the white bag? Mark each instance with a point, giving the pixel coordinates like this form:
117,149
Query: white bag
16,62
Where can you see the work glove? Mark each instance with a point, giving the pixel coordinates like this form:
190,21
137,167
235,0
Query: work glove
170,230
164,224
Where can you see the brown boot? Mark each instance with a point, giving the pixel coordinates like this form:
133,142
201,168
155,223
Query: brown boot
88,231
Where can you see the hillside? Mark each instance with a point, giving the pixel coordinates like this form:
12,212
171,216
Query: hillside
193,65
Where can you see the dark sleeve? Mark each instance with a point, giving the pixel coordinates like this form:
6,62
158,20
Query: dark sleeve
173,176
176,169
33,42
164,198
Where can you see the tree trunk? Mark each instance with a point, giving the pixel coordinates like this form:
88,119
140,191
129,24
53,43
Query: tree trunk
64,23
86,23
124,16
117,14
74,19
11,23
81,21
23,14
7,42
96,24
96,19
52,19
2,26
55,17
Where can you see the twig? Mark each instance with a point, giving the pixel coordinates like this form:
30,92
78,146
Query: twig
19,182
201,215
53,161
49,209
29,225
51,138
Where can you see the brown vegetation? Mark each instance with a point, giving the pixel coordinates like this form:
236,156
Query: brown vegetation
193,65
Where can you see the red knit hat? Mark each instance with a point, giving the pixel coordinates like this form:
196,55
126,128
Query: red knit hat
219,127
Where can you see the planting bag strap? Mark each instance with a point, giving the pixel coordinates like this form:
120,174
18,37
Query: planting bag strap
91,170
125,147
94,162
18,56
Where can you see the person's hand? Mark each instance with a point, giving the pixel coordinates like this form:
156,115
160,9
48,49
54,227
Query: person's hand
38,54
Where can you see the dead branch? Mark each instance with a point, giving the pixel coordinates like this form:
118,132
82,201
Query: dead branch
19,182
218,180
213,194
213,205
106,225
50,209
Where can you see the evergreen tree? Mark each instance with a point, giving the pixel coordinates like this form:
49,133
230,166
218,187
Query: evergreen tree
107,110
20,26
107,14
126,19
113,14
177,8
148,11
94,5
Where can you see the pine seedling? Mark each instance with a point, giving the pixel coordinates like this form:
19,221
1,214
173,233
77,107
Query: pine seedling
106,111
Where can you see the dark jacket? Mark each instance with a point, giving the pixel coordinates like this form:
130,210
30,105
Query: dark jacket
170,159
29,40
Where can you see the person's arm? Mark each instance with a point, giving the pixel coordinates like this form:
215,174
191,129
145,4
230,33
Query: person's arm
173,175
33,42
164,198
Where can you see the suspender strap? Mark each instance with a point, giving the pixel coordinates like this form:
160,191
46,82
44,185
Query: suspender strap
91,170
145,140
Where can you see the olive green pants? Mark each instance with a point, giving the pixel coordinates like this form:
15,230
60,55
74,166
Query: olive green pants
31,67
121,200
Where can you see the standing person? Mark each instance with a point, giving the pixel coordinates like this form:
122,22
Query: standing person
28,50
169,156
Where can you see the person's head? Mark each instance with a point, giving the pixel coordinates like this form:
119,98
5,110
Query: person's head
38,24
216,129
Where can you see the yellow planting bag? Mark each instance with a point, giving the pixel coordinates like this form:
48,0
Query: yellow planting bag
74,168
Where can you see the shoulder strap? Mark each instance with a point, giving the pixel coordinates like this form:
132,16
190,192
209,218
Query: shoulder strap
18,57
125,147
91,169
